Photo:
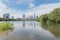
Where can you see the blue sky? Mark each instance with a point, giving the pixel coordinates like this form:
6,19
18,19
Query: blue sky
17,8
24,4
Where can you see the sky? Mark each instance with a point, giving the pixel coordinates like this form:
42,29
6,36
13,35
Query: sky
17,8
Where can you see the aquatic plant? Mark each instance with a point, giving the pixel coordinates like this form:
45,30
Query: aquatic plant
5,26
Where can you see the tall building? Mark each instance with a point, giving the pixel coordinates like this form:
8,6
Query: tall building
34,15
6,16
23,16
31,17
37,17
13,17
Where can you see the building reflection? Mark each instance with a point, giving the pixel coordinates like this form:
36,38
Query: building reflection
34,24
23,23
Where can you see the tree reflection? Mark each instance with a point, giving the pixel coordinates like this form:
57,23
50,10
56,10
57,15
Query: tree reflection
53,28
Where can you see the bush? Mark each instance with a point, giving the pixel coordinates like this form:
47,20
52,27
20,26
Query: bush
5,26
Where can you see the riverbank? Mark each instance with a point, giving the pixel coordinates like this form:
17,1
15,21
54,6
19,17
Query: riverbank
5,26
51,22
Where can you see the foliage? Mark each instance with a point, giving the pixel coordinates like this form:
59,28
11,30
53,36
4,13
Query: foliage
53,17
51,22
5,26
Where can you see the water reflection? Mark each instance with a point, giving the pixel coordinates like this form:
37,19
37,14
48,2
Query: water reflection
23,24
53,28
34,24
5,33
28,30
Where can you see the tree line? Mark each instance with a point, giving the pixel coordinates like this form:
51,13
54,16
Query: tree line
52,17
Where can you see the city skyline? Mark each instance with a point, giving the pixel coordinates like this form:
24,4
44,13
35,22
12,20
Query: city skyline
7,15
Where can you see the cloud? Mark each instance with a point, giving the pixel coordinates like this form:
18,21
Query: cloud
4,9
31,5
42,9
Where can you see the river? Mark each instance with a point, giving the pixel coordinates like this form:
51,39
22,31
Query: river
27,30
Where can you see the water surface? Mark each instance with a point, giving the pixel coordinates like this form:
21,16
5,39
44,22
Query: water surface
27,30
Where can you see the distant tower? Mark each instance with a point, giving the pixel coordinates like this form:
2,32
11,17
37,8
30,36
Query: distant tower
3,15
34,16
23,16
12,17
6,16
31,17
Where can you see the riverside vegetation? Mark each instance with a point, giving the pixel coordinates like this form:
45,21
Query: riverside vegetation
51,22
53,17
5,26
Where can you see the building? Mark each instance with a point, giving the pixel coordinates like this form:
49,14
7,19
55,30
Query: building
37,17
23,16
34,16
13,17
6,16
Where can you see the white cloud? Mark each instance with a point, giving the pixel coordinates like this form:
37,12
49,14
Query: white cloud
2,8
42,9
31,5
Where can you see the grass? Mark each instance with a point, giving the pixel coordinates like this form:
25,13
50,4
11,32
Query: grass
5,26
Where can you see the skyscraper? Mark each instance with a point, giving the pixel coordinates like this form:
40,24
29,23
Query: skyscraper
23,16
34,16
13,17
6,16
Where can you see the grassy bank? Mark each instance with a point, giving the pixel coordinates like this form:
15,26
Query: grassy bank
5,26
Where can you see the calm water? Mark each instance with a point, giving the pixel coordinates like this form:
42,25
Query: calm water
27,30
